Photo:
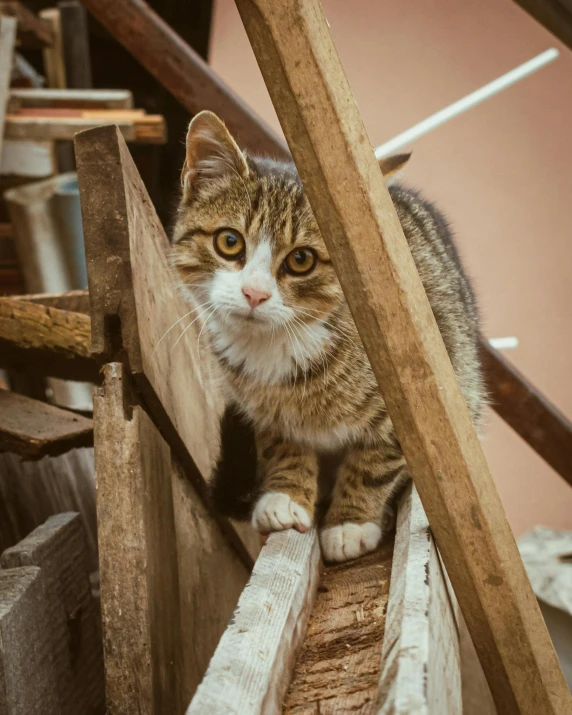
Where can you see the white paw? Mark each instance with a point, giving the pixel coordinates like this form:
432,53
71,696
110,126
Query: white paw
348,541
275,511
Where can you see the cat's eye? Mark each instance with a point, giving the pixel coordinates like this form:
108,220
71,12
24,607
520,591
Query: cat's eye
229,244
300,261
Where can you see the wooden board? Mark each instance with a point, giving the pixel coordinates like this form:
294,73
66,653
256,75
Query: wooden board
169,581
182,71
529,412
251,668
75,40
421,667
337,670
76,301
46,341
28,684
7,41
146,129
137,311
555,15
73,98
32,30
367,246
33,429
59,549
54,67
28,158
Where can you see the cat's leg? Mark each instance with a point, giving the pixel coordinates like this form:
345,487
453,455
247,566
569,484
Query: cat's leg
289,485
362,511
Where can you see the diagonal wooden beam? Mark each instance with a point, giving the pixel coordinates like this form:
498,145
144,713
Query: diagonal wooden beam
182,71
555,15
324,130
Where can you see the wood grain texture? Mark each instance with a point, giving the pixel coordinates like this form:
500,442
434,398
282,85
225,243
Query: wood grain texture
33,429
28,683
169,580
47,341
531,415
75,301
7,40
421,669
182,71
32,31
54,66
73,98
251,668
337,670
59,549
321,122
137,311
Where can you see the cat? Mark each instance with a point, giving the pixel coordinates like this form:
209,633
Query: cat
248,252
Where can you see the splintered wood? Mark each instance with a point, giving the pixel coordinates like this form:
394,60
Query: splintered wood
339,665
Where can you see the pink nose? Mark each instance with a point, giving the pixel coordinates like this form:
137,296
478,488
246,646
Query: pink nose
255,297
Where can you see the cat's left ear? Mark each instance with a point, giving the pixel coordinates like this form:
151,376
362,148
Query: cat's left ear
390,165
211,151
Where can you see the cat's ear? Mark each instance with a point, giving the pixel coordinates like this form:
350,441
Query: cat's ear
390,165
211,151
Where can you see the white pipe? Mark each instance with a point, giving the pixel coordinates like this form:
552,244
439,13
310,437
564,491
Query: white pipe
467,102
508,343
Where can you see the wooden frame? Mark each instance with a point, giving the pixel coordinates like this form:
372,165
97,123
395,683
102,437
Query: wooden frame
325,133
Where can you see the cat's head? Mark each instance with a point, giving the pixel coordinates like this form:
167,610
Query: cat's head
246,245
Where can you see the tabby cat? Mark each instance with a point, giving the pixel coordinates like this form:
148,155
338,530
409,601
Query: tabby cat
253,264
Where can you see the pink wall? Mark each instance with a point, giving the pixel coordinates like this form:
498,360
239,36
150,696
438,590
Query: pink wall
502,173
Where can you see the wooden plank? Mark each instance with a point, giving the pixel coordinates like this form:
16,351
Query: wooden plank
529,412
181,70
147,129
7,40
135,306
477,698
76,301
169,581
53,54
32,30
29,158
555,15
46,341
28,683
321,121
59,549
75,39
33,429
338,668
421,668
73,98
251,668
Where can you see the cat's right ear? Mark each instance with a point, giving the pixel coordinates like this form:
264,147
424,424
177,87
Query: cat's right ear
211,152
390,165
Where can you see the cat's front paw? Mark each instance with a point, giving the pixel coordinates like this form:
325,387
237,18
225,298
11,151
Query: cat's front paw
348,541
276,511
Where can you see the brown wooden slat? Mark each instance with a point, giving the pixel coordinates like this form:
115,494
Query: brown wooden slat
325,132
182,71
528,412
555,15
75,301
32,30
46,341
34,429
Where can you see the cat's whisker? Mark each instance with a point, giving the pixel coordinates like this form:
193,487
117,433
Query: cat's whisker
177,322
214,310
304,365
191,323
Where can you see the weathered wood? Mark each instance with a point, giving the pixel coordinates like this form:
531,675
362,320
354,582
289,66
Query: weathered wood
58,548
75,39
529,412
421,669
477,698
32,30
76,301
555,15
320,119
251,668
28,683
144,129
169,581
337,670
7,41
137,311
181,70
34,429
28,158
46,341
53,54
74,98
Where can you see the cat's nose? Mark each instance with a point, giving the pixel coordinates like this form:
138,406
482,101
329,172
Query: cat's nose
254,297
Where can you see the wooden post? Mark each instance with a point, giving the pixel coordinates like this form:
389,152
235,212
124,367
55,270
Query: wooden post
351,203
53,54
7,41
75,40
